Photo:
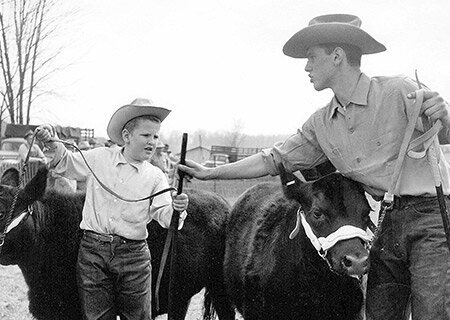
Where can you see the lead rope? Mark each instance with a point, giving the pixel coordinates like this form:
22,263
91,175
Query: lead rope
105,187
16,194
408,146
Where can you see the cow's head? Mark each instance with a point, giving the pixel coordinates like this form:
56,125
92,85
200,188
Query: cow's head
334,213
20,231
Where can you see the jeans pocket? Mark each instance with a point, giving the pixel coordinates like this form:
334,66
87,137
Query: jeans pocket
426,207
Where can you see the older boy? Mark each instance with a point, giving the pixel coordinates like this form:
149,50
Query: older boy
360,131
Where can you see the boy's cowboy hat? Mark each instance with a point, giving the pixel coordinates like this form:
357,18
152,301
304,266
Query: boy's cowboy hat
139,107
331,28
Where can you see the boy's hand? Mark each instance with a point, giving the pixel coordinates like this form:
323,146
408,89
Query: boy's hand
44,133
179,202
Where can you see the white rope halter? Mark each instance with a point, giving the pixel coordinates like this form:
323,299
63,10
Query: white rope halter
323,244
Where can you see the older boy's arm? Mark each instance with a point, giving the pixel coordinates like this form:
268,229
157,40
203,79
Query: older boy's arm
247,168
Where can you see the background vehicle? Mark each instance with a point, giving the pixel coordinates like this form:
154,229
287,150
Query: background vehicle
11,164
216,160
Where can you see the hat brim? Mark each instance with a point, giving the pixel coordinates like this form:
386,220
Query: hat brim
128,112
298,45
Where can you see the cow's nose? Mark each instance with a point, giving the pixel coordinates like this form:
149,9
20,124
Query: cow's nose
355,266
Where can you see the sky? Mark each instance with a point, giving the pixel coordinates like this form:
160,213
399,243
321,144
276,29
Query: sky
219,63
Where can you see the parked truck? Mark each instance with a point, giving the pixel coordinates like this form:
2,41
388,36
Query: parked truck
10,163
220,155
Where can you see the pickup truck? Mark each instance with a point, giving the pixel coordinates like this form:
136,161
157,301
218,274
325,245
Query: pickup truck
216,160
11,164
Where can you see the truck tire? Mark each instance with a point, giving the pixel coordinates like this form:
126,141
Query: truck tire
10,178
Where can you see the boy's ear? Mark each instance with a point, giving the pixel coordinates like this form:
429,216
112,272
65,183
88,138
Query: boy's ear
126,135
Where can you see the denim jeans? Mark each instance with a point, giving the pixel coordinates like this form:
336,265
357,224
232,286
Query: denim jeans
114,278
410,264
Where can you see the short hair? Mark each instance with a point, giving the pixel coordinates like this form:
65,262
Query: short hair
132,124
352,52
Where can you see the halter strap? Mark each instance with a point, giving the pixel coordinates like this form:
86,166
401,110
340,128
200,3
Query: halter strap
323,244
17,220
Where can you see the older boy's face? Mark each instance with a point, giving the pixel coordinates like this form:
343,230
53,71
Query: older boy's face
141,143
320,68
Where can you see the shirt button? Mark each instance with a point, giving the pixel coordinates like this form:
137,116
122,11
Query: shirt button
378,143
358,160
351,130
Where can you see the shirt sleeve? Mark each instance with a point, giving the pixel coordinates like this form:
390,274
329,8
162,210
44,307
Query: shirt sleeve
70,164
161,208
299,151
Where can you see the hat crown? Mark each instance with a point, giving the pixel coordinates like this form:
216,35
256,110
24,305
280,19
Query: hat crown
142,102
337,18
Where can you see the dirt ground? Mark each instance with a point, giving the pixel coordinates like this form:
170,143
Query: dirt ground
14,301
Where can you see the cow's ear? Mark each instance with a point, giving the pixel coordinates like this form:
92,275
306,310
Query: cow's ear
291,184
35,189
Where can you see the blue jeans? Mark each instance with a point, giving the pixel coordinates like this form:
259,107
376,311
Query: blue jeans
410,264
114,278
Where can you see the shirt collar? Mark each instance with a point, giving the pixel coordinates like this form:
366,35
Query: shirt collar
358,97
120,159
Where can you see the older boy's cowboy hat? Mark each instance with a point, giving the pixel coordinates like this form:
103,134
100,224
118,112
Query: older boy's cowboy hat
331,28
139,107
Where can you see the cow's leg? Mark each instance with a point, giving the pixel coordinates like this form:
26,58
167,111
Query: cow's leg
218,299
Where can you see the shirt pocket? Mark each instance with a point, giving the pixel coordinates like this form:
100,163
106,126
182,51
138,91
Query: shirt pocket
383,145
380,154
338,160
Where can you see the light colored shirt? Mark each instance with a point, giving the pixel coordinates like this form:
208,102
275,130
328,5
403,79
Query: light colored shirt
105,213
363,140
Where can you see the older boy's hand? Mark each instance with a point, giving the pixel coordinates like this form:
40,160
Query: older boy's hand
179,202
195,169
434,107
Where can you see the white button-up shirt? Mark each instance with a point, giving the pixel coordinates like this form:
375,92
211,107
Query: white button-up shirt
104,212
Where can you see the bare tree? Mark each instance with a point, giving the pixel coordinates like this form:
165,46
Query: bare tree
236,136
26,61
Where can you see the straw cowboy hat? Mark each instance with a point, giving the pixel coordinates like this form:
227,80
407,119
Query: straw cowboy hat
139,107
331,28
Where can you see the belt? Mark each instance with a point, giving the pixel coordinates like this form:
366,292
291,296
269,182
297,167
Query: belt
403,201
108,237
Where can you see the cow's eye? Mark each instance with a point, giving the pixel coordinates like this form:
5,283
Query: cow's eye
317,214
2,215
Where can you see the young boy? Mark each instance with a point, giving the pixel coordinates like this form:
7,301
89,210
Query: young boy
113,269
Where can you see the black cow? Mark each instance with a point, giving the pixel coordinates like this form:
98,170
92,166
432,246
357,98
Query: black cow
271,276
45,244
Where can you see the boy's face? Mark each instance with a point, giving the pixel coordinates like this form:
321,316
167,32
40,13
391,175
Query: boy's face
140,144
320,67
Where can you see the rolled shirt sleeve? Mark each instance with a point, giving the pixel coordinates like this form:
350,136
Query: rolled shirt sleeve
299,151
